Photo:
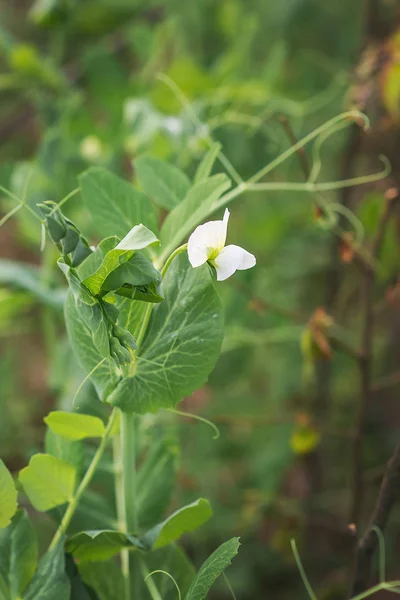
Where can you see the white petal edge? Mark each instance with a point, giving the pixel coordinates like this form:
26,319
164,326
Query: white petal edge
228,261
233,258
207,238
248,261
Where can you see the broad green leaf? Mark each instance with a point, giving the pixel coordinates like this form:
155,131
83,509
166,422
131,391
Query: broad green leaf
88,343
101,544
8,496
185,519
156,482
204,169
48,481
104,577
18,556
188,214
29,278
74,426
129,278
181,345
164,183
50,581
115,206
92,263
68,450
211,569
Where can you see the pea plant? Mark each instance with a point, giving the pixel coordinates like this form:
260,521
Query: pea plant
145,321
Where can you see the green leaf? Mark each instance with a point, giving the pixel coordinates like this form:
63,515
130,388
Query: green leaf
164,183
138,271
48,481
79,590
155,482
182,343
212,568
74,426
90,345
101,544
185,519
8,496
68,450
188,214
138,238
115,206
18,556
104,577
112,261
204,169
50,581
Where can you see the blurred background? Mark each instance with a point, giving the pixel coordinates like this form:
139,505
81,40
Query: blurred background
79,87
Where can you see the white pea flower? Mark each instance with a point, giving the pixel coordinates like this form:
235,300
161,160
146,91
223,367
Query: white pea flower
207,244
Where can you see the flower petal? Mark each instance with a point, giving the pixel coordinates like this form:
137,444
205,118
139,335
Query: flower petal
206,240
248,260
228,261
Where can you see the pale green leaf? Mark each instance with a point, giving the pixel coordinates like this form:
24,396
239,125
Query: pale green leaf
18,556
112,260
138,238
182,343
185,519
74,426
181,221
164,183
48,481
212,568
8,496
101,544
204,169
115,206
50,581
68,450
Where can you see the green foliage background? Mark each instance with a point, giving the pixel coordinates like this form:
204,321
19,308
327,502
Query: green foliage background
79,88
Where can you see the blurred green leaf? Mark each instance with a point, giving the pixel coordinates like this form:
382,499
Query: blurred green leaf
155,482
48,481
101,544
18,556
114,205
187,518
188,214
164,183
67,450
8,496
28,277
74,426
204,169
104,577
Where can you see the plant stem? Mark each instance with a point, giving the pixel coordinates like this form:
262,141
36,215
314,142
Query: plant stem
73,503
128,451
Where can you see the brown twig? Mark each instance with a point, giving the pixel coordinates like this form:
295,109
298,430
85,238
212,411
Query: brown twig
364,365
367,545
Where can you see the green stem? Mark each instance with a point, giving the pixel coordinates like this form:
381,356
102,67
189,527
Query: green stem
73,503
128,451
171,258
